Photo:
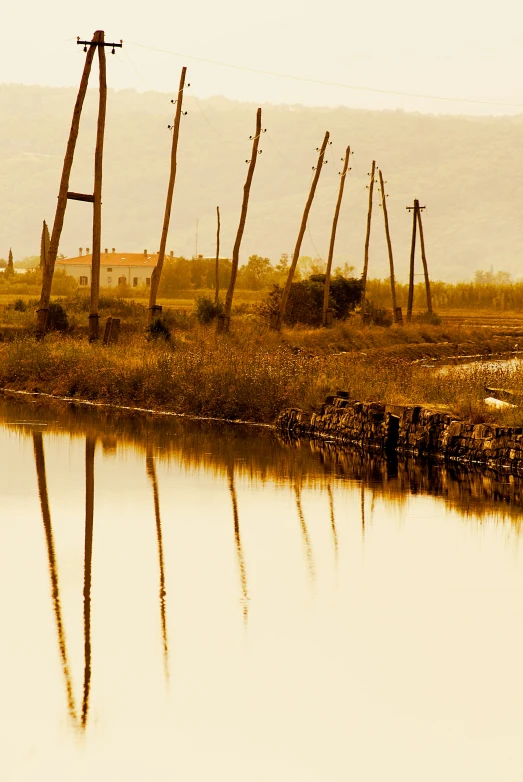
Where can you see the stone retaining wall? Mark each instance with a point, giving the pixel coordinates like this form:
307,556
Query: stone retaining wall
409,430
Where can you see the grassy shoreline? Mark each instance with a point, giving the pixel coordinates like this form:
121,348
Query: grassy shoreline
253,374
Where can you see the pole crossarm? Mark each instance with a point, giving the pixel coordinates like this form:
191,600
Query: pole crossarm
99,43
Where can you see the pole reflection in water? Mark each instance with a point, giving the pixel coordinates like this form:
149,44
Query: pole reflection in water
305,533
38,446
90,444
333,522
239,549
151,472
362,507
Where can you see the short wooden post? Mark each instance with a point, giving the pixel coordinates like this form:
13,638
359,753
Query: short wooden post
278,322
112,331
97,193
410,301
48,272
367,242
425,267
389,247
243,216
326,289
157,271
44,245
217,269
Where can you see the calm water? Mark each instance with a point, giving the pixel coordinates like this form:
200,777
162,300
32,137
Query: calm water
183,601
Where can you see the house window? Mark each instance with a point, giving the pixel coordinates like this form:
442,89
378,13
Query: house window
109,280
148,282
122,280
109,268
83,280
135,282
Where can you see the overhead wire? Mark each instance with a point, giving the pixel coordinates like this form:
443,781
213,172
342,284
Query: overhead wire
327,83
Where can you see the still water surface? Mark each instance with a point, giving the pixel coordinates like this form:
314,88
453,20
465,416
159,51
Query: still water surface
185,601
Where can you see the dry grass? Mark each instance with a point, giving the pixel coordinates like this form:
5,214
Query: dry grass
250,374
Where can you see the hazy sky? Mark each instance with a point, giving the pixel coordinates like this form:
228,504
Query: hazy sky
450,48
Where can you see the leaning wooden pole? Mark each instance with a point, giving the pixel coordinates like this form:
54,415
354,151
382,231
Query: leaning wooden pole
38,447
333,237
410,301
224,322
154,309
367,241
239,549
90,445
47,278
217,267
425,267
151,472
286,291
97,193
389,246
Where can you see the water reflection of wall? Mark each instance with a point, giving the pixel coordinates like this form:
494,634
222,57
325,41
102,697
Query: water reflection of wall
262,455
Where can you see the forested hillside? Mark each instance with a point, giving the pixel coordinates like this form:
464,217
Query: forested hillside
468,172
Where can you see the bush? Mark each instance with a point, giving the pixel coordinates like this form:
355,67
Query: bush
206,309
305,303
429,318
20,306
57,319
344,293
159,329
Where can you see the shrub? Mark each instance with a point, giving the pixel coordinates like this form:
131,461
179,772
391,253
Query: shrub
206,309
57,319
159,329
20,306
344,293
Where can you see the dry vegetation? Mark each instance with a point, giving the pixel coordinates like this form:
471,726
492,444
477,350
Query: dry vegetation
252,373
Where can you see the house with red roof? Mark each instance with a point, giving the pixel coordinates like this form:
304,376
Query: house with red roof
134,269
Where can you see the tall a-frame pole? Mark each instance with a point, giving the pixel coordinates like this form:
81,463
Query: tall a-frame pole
63,193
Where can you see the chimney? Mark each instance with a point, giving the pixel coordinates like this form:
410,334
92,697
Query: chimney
80,252
87,251
171,254
145,253
114,250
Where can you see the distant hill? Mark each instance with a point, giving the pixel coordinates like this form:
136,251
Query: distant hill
468,171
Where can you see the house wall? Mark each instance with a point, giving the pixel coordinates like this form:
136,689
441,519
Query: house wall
135,276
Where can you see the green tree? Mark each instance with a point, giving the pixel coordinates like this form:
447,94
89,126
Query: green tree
258,273
10,266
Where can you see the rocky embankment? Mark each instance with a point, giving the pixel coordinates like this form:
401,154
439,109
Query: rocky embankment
408,429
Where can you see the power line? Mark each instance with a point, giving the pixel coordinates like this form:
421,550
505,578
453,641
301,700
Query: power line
326,83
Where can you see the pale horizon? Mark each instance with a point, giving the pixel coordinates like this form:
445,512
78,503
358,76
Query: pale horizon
409,61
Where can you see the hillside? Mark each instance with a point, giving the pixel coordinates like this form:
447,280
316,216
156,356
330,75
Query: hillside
468,171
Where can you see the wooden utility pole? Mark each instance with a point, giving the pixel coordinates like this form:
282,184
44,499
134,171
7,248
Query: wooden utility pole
343,173
53,569
278,320
389,247
154,309
367,241
90,445
415,220
424,259
97,206
151,472
44,245
63,193
225,319
217,269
